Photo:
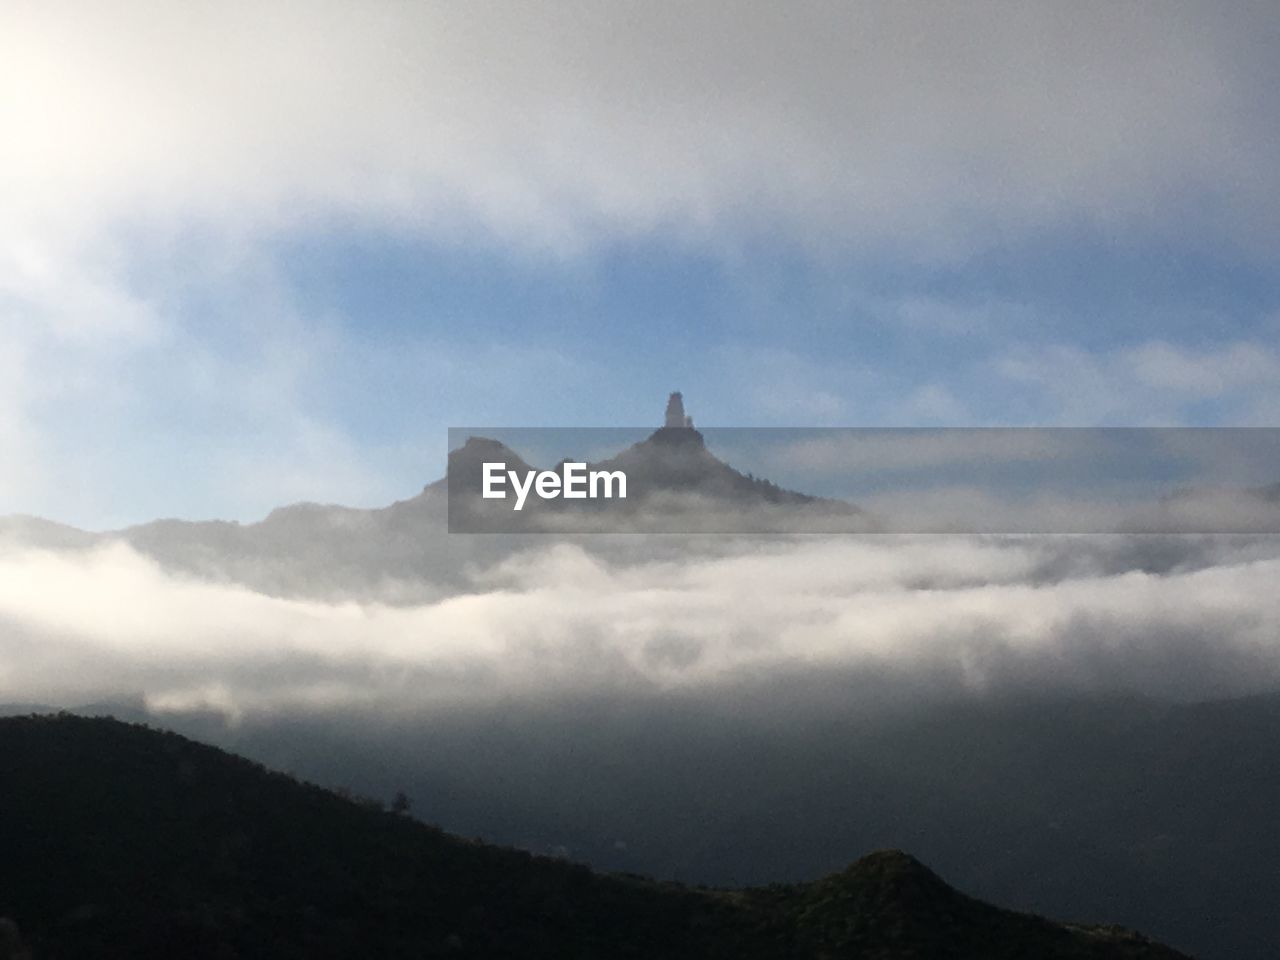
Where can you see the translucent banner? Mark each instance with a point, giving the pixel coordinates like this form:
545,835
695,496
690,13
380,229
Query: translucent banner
678,479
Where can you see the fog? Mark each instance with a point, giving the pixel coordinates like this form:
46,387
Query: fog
1171,617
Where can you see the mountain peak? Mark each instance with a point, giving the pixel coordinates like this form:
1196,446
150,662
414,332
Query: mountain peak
469,457
889,876
483,445
677,426
676,418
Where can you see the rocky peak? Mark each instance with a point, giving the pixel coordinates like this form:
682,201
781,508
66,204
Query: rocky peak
676,418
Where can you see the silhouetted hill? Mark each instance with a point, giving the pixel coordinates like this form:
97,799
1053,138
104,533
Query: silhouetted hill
121,841
889,905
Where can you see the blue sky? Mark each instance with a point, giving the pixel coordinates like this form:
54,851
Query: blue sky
264,254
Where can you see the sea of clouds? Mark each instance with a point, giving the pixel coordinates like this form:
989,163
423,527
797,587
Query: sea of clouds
1183,617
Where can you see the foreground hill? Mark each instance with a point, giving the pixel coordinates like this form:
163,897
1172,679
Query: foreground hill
121,841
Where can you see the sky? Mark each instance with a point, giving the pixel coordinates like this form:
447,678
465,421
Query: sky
259,253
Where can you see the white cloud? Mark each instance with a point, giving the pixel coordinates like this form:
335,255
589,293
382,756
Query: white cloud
1205,373
859,452
1151,383
1052,613
551,123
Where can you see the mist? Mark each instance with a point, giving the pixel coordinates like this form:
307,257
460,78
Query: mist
1189,618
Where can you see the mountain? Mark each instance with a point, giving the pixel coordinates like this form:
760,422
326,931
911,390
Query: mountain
122,841
674,483
45,534
676,460
403,553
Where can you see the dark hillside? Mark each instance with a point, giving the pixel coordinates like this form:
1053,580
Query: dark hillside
122,841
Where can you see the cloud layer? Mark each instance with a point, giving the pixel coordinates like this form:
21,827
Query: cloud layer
1179,617
554,122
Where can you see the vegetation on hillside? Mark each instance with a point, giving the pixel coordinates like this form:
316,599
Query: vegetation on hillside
122,841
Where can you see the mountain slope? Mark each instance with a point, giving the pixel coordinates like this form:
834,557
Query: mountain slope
676,460
889,905
403,553
674,484
121,841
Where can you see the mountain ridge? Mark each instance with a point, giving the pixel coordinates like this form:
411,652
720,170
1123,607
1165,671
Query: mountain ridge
310,549
674,484
127,841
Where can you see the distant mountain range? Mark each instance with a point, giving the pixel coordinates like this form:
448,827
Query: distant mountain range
403,551
122,841
674,485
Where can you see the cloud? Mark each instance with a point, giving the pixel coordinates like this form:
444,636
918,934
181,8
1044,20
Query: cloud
156,157
133,397
1204,374
1192,619
857,451
1153,383
554,124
